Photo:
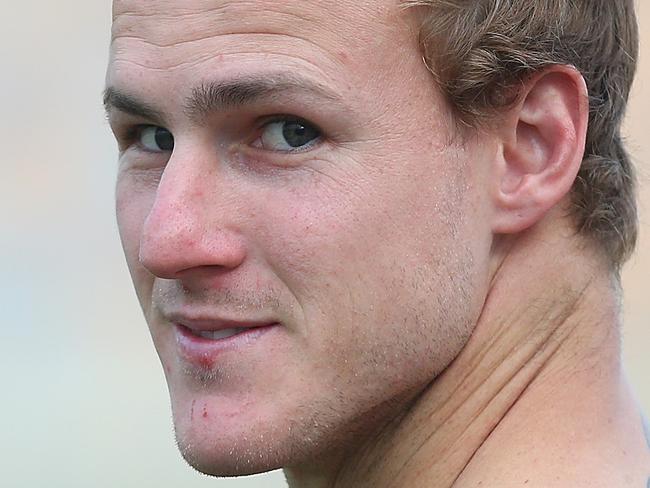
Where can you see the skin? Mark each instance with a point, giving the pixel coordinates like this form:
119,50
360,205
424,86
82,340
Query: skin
395,254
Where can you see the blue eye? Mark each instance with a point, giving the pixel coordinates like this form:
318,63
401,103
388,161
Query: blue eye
287,135
156,139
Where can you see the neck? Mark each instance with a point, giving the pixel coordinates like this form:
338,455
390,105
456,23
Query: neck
544,332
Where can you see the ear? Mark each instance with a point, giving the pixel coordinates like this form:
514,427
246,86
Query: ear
541,147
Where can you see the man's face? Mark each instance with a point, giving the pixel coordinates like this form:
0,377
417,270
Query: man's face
291,166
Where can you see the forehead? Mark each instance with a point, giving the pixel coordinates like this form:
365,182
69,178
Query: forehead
318,38
335,28
210,17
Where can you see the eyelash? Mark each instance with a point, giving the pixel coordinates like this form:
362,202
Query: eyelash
267,121
132,134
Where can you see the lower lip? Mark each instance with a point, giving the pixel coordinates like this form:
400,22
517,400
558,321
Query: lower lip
204,352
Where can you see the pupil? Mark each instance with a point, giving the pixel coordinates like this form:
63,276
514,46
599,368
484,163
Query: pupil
164,139
298,134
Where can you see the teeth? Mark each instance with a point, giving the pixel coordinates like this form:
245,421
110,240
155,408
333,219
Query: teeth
219,334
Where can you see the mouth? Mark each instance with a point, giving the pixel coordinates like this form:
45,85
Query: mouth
218,334
204,344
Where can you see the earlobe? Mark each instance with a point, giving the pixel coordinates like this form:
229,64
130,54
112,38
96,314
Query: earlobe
542,146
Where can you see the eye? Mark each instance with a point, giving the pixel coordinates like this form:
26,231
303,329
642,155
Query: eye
287,135
155,139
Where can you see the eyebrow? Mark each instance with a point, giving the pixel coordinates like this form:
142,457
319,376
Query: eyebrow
116,99
215,96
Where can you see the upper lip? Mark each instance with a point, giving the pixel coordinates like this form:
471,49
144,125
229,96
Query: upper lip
205,323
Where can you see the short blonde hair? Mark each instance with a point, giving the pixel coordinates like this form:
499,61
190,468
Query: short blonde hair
480,51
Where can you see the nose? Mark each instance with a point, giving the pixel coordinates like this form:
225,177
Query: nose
189,225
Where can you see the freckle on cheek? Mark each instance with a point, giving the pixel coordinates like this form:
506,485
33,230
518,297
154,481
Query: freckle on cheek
205,412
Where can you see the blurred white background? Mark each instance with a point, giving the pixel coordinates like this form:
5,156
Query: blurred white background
84,402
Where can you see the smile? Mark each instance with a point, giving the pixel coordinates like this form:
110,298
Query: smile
203,347
220,334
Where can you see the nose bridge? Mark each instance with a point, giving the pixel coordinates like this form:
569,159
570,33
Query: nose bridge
186,226
177,205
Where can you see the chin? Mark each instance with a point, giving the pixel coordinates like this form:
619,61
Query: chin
251,453
214,463
219,442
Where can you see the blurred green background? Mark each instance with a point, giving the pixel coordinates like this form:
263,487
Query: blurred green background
84,402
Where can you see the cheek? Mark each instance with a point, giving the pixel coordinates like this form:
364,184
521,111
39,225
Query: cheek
378,273
132,205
